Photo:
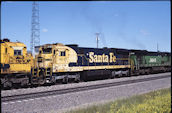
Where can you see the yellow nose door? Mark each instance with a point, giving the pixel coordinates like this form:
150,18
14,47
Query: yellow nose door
62,60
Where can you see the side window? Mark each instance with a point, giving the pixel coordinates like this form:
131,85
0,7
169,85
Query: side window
17,52
62,53
6,50
54,52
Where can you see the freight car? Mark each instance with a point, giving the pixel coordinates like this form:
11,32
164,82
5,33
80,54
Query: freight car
15,62
65,62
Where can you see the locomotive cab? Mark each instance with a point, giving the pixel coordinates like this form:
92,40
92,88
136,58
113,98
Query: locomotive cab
15,63
53,59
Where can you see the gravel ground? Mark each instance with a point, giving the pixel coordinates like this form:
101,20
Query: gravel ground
65,102
72,85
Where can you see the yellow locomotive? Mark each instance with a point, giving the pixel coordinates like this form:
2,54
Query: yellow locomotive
52,64
16,63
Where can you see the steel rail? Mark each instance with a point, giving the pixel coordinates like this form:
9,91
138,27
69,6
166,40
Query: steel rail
76,89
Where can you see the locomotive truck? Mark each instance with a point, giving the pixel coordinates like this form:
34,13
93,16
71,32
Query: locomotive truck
16,63
65,62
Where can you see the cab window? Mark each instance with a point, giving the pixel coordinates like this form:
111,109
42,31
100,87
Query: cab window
62,53
47,50
17,52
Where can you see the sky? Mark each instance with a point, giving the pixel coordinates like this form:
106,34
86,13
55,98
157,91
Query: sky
122,24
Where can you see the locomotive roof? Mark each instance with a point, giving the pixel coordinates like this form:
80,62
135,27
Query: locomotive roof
121,50
118,50
19,44
44,45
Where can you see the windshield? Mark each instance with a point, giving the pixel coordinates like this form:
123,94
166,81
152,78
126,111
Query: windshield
47,50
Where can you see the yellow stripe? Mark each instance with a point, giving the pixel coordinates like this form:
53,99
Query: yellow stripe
105,67
82,68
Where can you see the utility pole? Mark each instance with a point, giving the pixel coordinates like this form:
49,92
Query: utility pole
157,48
35,30
97,38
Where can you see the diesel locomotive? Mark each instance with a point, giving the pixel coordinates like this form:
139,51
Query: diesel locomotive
70,62
16,63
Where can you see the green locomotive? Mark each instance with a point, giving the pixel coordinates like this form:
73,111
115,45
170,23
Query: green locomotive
144,62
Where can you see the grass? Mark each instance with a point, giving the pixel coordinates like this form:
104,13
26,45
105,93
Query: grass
153,102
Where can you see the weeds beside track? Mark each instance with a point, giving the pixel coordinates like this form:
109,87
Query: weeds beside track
153,102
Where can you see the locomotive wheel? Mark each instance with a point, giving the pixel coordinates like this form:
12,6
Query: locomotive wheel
65,80
128,74
7,84
120,75
148,71
25,83
41,80
77,80
111,76
33,81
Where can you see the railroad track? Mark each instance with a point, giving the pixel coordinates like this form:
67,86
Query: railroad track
76,89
